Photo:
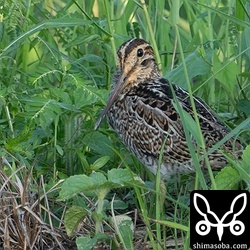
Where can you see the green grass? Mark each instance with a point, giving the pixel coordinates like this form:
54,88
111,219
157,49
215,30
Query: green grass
56,64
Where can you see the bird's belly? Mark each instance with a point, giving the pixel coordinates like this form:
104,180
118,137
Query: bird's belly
145,143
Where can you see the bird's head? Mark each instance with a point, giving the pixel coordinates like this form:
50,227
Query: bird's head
136,63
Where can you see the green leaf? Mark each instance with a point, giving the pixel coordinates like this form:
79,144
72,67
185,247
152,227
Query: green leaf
59,150
124,228
98,178
244,168
85,243
244,106
227,178
120,176
99,163
246,155
95,184
99,143
73,217
226,73
197,63
118,204
74,185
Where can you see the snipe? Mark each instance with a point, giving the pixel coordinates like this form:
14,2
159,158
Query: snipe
140,109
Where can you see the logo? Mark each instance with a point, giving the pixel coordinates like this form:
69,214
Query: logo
219,218
203,227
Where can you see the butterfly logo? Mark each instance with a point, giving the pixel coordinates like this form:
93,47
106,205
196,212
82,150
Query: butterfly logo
203,227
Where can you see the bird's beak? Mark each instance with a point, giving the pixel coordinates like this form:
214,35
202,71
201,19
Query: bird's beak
112,98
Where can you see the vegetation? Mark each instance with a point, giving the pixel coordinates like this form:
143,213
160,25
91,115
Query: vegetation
61,182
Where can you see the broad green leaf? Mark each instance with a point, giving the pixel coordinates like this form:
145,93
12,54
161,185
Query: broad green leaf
59,149
244,106
99,163
227,178
246,155
85,243
96,184
99,143
101,186
118,204
244,168
124,228
74,185
98,178
120,176
197,63
73,217
226,73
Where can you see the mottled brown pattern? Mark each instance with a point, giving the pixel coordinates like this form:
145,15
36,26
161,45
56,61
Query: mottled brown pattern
140,109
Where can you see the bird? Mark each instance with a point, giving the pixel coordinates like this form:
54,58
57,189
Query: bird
141,109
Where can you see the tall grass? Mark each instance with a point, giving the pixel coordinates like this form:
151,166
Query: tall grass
56,64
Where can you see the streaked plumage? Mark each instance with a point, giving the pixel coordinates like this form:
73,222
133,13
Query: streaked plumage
140,109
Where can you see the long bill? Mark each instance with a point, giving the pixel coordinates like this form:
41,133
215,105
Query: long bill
112,98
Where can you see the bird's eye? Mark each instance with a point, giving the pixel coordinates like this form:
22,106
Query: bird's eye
140,52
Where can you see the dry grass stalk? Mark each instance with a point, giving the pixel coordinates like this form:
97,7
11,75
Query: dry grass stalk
24,214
